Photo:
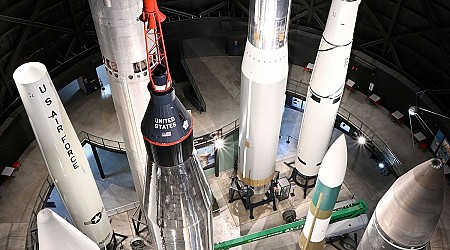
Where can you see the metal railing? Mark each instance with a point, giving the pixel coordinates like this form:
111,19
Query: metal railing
100,142
121,209
382,147
41,200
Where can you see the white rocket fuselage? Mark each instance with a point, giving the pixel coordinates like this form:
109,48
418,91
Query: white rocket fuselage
62,152
122,43
326,86
55,233
263,85
330,178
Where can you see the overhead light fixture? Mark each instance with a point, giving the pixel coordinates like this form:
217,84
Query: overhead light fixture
362,140
219,143
380,165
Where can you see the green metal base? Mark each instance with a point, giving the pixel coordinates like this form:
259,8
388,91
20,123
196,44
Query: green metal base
350,211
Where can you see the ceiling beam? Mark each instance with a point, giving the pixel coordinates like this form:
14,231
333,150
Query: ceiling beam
395,56
70,49
242,7
75,23
176,12
391,26
322,5
426,7
373,18
319,21
406,35
302,14
299,16
6,83
29,23
310,13
213,8
18,50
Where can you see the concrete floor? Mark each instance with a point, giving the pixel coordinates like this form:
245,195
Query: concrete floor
218,80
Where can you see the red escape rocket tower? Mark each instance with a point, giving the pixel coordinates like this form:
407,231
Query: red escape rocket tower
177,198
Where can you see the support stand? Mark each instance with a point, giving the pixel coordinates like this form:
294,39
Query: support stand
245,192
97,160
295,174
215,205
115,242
137,222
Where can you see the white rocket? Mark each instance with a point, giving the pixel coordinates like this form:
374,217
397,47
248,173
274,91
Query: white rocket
330,178
55,233
62,152
263,85
122,44
326,86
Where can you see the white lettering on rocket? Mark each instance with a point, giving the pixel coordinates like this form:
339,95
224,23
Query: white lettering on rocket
165,123
59,128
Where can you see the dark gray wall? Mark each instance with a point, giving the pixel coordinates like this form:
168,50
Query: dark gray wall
15,138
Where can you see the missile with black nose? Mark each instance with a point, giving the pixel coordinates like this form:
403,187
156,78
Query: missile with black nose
263,85
122,44
326,86
55,233
330,178
408,213
62,151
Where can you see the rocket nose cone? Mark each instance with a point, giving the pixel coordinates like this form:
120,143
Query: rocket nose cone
29,73
334,163
410,209
428,173
44,215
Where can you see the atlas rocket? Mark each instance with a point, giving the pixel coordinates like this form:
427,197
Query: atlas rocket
177,198
62,151
263,85
55,233
326,86
122,44
330,178
408,213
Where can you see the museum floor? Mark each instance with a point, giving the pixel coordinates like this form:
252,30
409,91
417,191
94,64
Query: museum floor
218,80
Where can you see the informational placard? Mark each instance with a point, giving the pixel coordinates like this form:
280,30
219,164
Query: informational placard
437,141
443,151
206,156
